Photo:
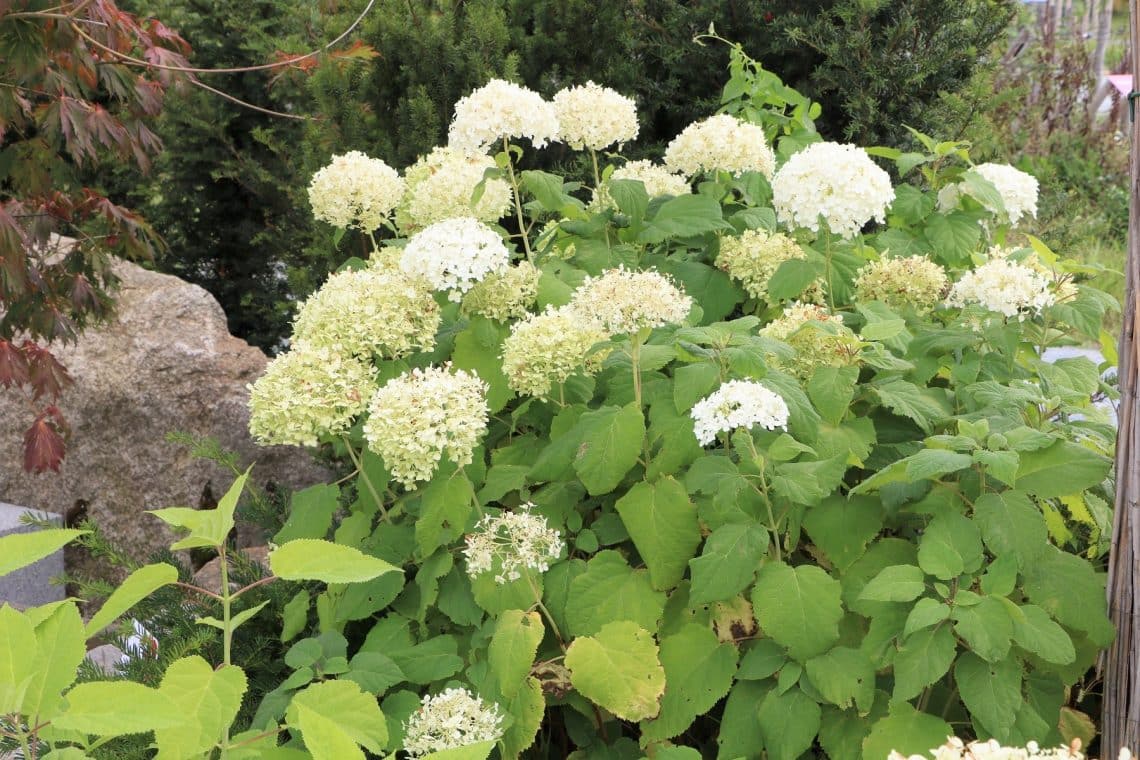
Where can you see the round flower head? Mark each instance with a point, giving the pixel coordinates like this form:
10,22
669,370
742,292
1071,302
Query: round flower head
369,311
1061,284
914,281
501,109
738,404
455,254
1004,286
504,295
837,182
626,301
828,344
510,542
594,117
452,719
418,417
754,256
721,142
658,181
545,349
1017,189
441,186
355,191
308,392
956,749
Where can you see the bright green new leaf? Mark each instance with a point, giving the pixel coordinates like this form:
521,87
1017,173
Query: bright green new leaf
991,692
789,723
844,677
207,527
663,525
241,617
925,613
907,731
728,562
923,658
699,671
61,641
1001,465
611,443
619,670
19,653
137,586
985,627
799,607
950,545
1037,633
897,583
513,647
22,549
210,700
610,591
334,715
115,708
312,560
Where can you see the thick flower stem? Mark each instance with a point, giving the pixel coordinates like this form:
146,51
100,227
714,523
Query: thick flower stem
597,174
546,613
367,481
518,202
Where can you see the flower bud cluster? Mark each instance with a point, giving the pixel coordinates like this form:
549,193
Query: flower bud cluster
913,281
754,256
826,344
504,295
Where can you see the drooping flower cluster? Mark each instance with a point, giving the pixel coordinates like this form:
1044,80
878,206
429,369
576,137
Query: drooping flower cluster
501,109
441,186
308,392
912,281
369,311
839,183
1005,286
754,256
826,344
417,418
738,404
956,749
721,142
658,181
504,295
1018,190
355,191
545,349
625,301
594,117
510,542
455,254
452,719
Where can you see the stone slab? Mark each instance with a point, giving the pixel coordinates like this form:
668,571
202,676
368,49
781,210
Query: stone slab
31,585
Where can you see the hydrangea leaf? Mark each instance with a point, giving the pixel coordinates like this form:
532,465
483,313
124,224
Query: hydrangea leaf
526,709
477,349
1012,524
662,523
950,545
699,671
844,677
897,583
728,562
336,716
513,647
445,505
211,698
789,723
985,627
619,670
843,527
310,513
432,660
905,730
1069,589
610,590
831,390
1061,469
924,657
611,444
312,560
1035,632
798,607
740,734
991,691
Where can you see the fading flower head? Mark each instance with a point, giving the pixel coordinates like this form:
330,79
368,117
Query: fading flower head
355,191
1018,190
626,301
819,338
546,349
510,542
754,256
418,417
452,719
1005,286
504,295
594,117
839,183
455,254
721,142
738,404
913,281
501,109
441,186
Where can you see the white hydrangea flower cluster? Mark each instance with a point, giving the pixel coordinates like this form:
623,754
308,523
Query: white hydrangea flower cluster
452,719
418,417
307,392
504,295
754,256
913,281
510,542
455,254
815,346
441,186
369,311
501,109
625,301
355,191
956,749
594,117
1018,190
545,349
738,404
837,182
1060,283
721,142
1005,286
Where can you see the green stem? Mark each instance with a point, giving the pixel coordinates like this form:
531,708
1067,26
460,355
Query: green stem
773,525
545,612
827,270
597,174
367,481
25,749
227,632
635,361
518,202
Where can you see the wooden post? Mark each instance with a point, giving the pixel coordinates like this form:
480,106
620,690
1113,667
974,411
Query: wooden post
1121,717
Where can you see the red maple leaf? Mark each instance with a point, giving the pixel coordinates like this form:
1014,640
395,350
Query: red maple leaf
43,444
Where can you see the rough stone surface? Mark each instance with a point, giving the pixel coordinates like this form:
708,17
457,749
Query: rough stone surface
209,576
165,363
29,586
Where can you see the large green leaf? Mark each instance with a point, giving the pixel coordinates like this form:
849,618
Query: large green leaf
115,708
843,527
740,735
609,591
612,440
728,562
1068,588
619,670
950,545
907,731
526,710
985,627
19,653
310,513
478,349
844,677
684,216
953,237
336,716
138,585
445,504
209,698
897,583
831,390
312,560
1037,633
22,549
432,660
799,607
1012,524
991,692
789,722
662,523
61,641
1061,469
513,647
924,657
698,672
908,400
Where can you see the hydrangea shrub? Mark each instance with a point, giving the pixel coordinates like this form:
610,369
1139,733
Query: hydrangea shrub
754,452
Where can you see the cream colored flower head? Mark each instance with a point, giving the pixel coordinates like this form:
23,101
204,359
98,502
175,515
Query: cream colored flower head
306,393
738,404
455,254
452,719
418,417
658,181
626,301
826,344
595,117
504,295
369,311
754,256
913,281
501,109
545,349
441,185
839,183
355,191
511,542
1061,284
956,749
1018,190
1004,286
723,143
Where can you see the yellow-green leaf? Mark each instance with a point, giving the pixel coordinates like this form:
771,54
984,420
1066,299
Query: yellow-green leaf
309,559
619,670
